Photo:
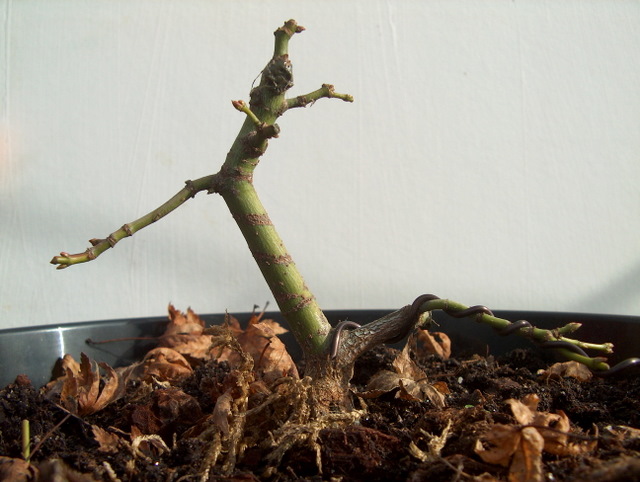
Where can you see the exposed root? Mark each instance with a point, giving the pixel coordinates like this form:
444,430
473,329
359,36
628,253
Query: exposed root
307,433
287,415
227,423
275,418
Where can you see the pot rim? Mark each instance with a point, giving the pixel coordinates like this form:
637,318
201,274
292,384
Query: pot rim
34,350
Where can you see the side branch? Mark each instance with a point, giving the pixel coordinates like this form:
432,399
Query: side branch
397,325
326,90
99,246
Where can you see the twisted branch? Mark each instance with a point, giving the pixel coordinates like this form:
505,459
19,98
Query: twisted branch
397,325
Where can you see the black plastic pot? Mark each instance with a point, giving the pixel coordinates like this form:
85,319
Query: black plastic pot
33,351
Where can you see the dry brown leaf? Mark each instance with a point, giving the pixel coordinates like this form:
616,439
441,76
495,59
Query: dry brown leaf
558,443
80,392
269,353
109,442
232,323
60,371
187,335
184,334
17,470
162,410
526,465
409,379
524,410
144,421
148,447
442,387
380,383
498,445
163,364
567,369
135,432
556,440
68,362
113,388
419,392
521,447
172,404
514,447
183,323
406,367
275,327
270,356
436,343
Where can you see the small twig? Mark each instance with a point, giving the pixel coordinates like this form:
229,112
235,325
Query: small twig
90,341
50,432
243,107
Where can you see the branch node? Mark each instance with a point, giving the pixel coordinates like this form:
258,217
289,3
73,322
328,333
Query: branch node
268,131
290,27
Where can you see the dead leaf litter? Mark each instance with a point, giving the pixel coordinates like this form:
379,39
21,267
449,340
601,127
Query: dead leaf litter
228,403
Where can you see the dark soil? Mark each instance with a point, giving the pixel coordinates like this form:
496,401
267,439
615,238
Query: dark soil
375,448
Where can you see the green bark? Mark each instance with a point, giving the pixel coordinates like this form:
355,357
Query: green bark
235,184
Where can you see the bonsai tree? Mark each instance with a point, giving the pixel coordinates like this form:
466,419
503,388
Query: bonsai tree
329,352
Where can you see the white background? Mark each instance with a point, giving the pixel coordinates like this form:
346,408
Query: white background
492,155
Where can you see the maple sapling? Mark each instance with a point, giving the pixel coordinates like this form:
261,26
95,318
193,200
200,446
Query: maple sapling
329,352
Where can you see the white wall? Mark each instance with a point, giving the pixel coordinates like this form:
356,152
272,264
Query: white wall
491,156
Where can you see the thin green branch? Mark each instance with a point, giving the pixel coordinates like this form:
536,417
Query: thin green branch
326,91
536,334
99,246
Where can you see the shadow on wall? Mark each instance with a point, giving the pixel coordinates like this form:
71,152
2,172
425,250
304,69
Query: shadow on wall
622,293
